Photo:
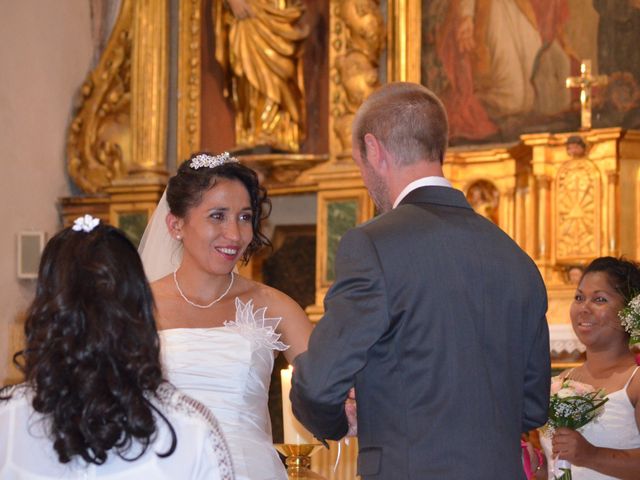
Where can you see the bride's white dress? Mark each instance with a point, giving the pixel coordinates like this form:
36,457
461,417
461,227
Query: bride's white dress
228,369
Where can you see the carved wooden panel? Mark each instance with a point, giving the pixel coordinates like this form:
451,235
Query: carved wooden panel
577,219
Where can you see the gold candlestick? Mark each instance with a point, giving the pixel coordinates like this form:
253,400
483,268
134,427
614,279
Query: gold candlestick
299,460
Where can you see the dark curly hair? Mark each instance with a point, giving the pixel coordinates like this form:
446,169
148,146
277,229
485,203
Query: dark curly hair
188,185
92,348
624,275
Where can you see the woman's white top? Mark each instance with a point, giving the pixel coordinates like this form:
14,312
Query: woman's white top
26,451
615,428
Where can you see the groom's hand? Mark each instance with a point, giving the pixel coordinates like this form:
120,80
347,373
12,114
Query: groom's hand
351,412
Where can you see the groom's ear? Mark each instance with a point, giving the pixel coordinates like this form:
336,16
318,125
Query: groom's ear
174,225
376,154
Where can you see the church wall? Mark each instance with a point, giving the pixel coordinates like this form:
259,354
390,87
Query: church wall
45,54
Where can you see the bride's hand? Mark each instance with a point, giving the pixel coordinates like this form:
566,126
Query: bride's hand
352,415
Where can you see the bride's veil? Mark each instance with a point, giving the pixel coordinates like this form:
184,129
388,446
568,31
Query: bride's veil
161,254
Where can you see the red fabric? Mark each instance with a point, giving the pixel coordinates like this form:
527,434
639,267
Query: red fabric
551,16
467,117
526,461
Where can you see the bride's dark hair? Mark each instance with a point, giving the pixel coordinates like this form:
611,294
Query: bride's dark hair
188,185
92,348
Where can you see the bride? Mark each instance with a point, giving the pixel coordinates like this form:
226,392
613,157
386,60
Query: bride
219,331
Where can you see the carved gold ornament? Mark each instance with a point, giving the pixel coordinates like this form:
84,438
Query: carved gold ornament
357,43
99,138
577,213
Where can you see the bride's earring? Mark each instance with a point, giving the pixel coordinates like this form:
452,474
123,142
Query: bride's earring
178,237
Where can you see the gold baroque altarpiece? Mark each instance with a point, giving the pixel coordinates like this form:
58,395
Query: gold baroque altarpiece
99,138
563,210
541,196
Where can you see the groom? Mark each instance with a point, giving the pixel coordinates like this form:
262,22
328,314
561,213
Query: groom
436,317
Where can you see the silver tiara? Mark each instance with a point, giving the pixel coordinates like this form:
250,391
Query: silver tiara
211,161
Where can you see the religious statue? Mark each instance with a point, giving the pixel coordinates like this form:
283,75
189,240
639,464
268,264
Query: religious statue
485,199
573,274
576,146
357,64
359,79
259,46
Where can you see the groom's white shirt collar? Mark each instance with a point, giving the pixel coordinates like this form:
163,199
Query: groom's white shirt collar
422,182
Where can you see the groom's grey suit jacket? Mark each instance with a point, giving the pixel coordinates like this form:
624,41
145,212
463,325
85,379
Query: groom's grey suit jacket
438,319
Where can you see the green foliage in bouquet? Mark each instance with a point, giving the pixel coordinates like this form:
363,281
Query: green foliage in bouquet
572,405
572,408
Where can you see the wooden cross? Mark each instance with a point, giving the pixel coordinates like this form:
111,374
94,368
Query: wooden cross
584,82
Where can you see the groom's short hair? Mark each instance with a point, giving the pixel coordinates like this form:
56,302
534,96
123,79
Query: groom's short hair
408,119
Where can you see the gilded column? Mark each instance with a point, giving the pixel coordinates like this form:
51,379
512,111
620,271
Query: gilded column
189,72
543,183
149,87
530,214
612,213
403,28
507,211
520,218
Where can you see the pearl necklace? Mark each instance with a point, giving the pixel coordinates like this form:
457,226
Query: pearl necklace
175,280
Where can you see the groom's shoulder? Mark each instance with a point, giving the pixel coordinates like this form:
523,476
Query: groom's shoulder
393,222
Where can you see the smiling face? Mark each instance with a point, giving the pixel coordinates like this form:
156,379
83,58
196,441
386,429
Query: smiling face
594,311
216,231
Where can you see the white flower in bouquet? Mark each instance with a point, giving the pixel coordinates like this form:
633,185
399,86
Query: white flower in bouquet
565,392
630,318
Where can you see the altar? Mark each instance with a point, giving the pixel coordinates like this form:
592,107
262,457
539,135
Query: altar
564,188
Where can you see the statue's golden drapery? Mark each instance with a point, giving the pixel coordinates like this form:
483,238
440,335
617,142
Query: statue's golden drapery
258,45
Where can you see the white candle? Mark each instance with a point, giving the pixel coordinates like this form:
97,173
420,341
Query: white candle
294,432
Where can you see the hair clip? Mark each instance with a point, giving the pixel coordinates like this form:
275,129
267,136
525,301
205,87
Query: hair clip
209,161
85,224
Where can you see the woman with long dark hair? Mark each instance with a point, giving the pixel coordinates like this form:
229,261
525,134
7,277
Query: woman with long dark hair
94,402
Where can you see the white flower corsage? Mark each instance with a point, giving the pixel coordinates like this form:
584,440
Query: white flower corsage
630,318
85,223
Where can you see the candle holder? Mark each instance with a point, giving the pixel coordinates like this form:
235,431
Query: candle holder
299,460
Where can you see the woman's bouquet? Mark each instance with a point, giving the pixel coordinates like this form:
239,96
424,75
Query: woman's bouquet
573,404
630,318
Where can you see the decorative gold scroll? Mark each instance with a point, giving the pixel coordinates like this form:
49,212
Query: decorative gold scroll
99,139
357,39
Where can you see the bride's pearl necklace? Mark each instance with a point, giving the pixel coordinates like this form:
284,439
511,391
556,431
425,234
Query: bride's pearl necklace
175,280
